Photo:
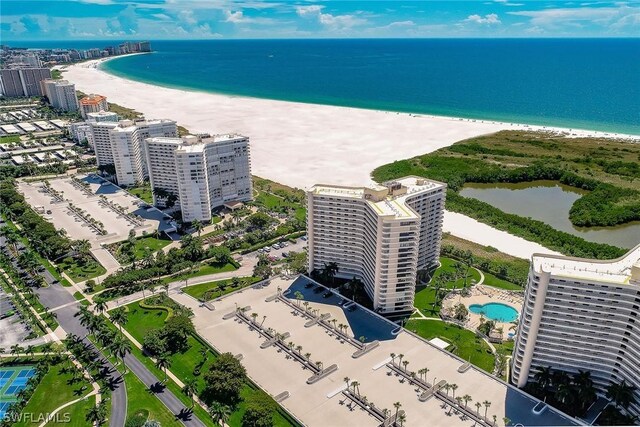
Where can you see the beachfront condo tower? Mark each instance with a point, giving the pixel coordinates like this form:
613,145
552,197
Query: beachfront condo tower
61,94
121,145
381,235
581,314
204,172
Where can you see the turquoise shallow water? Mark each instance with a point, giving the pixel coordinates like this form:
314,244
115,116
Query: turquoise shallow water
574,83
495,311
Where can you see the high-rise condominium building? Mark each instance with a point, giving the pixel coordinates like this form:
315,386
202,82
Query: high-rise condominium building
128,150
61,94
120,144
382,235
581,314
204,172
23,81
93,104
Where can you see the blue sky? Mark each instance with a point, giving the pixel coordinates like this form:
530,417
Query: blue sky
201,19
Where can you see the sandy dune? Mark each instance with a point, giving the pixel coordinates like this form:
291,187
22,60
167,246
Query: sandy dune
304,144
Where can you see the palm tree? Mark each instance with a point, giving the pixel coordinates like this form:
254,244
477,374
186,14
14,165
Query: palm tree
543,377
506,421
220,413
397,405
119,316
198,226
495,419
404,364
163,362
346,380
120,347
622,394
466,399
97,414
454,387
393,358
100,305
478,405
459,400
356,387
190,390
486,404
29,350
299,297
402,418
16,349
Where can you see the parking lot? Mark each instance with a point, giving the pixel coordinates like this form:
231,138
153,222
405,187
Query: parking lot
98,200
323,403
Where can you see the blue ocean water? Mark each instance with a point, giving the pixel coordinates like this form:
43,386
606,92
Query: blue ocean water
574,83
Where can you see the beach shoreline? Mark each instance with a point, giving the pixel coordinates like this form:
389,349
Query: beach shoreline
301,144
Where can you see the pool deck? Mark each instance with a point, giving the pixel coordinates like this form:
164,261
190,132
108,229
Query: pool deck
481,295
322,403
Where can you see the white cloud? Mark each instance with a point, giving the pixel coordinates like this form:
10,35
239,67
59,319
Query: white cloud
335,22
615,17
489,19
235,17
311,10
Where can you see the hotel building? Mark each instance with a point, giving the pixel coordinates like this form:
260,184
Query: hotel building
581,314
93,104
381,235
204,172
61,94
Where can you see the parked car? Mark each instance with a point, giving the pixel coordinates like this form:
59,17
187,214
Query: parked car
283,244
276,246
267,249
304,238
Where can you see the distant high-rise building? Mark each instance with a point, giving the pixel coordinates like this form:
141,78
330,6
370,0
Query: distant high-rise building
206,172
582,315
381,235
16,82
144,47
93,104
61,94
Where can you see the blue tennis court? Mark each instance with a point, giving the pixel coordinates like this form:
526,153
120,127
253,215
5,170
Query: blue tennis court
12,380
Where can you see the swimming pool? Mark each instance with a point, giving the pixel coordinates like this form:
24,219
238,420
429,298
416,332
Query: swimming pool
495,311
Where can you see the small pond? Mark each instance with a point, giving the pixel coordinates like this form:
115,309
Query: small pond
550,202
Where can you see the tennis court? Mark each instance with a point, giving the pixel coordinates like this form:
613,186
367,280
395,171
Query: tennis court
13,379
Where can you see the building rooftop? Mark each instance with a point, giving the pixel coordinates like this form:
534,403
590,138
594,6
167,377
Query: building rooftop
388,199
92,99
196,144
616,271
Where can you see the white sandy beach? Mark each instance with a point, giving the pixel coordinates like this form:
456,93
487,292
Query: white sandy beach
303,144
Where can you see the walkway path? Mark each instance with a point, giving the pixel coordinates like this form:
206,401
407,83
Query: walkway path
96,391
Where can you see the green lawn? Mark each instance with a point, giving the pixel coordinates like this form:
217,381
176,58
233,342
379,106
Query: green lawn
8,139
198,291
271,201
81,272
203,270
425,295
141,320
143,192
496,282
464,343
54,389
76,413
149,242
140,400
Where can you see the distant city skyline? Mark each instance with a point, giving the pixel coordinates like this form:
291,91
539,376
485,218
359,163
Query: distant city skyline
227,19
